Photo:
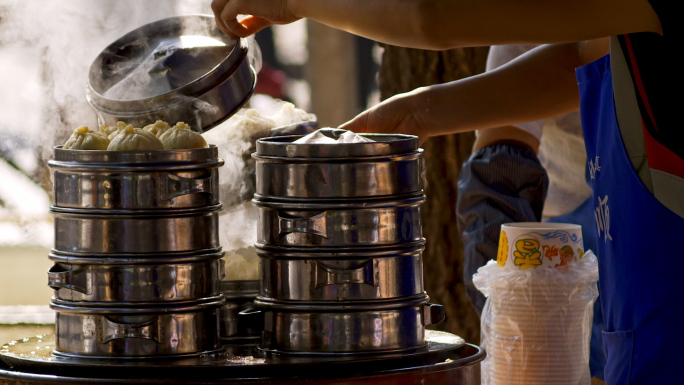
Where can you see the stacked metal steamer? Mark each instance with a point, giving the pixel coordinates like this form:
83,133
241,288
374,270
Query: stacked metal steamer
240,292
137,258
340,242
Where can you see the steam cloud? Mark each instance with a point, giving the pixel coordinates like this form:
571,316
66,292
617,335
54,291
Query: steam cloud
64,37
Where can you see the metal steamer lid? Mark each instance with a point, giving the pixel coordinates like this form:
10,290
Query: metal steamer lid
175,69
382,145
166,160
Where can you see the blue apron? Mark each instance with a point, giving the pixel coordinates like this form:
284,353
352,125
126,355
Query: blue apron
640,248
583,215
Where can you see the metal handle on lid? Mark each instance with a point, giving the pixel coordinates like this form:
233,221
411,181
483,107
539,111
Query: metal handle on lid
433,314
173,185
327,275
77,279
111,330
254,318
315,224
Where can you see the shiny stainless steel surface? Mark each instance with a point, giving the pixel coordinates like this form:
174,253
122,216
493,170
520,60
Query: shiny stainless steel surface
382,145
326,253
391,277
162,180
132,258
336,330
239,296
389,167
446,360
155,282
232,325
135,231
340,224
337,178
187,80
149,332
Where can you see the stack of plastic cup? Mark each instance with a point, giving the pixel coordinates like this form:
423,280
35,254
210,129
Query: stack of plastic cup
536,324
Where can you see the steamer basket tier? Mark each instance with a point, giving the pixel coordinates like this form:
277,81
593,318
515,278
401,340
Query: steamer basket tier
136,332
390,166
146,180
134,280
114,232
328,277
340,223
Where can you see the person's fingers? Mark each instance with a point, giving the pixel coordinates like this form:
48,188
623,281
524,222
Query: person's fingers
217,7
229,16
253,24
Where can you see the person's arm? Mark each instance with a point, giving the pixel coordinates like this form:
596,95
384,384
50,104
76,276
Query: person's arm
498,184
526,134
435,24
537,85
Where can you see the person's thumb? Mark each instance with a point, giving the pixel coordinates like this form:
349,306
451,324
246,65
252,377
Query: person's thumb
253,24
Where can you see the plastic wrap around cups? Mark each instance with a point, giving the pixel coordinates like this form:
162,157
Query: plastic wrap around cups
135,281
536,323
361,276
132,180
389,166
386,327
136,332
135,231
338,224
180,68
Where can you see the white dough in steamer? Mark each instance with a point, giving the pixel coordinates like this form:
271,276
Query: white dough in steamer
132,139
157,128
84,138
181,137
112,131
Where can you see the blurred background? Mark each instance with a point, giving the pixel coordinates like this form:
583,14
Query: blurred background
46,48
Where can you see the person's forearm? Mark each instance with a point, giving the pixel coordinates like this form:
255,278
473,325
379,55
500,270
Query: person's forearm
537,85
434,24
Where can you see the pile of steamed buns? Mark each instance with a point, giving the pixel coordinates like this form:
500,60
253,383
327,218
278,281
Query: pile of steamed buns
124,137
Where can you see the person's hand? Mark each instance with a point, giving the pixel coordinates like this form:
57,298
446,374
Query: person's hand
400,114
261,13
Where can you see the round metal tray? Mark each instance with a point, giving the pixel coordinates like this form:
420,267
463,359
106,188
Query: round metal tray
447,359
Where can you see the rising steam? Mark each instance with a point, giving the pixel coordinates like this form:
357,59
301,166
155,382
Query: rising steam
64,37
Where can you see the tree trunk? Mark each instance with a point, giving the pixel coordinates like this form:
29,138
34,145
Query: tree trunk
403,70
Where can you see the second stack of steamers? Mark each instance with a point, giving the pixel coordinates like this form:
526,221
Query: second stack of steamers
340,242
137,258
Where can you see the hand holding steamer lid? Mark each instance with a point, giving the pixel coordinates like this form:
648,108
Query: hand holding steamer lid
178,69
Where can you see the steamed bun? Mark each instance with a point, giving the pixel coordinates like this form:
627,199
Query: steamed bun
180,137
84,138
131,139
111,131
157,128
